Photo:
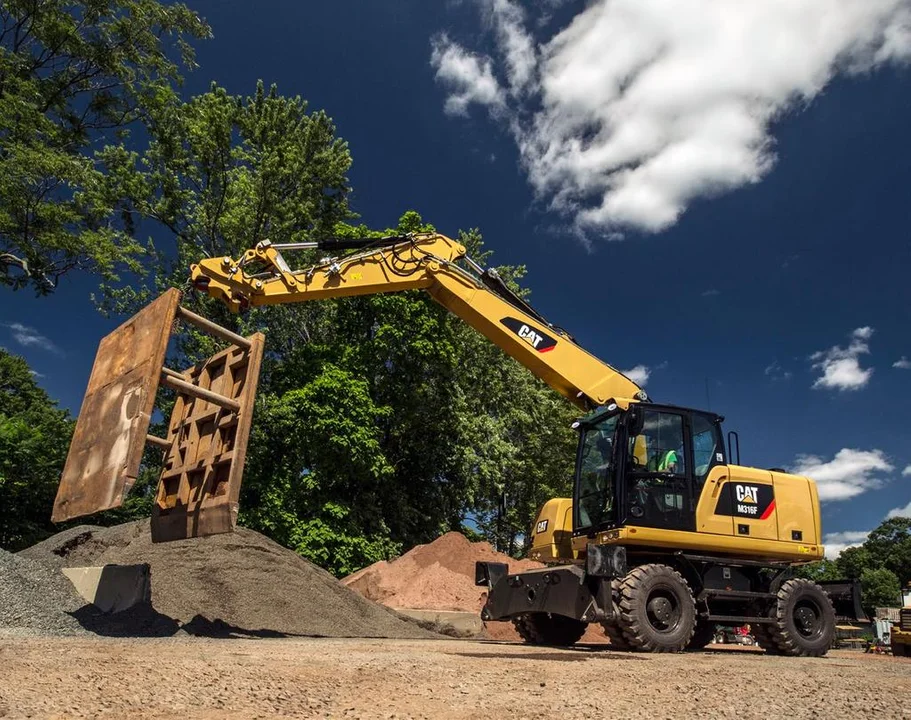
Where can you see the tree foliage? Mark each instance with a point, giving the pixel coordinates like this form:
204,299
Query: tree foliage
890,545
880,588
75,76
34,437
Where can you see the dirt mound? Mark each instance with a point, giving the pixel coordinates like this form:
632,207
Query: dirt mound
436,576
440,576
233,584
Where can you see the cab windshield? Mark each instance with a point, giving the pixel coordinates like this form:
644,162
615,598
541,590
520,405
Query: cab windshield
595,473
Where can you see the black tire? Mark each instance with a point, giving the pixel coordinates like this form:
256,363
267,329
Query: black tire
615,635
804,620
900,650
611,628
764,639
657,611
549,629
703,635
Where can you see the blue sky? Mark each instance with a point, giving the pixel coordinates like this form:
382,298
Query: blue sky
750,250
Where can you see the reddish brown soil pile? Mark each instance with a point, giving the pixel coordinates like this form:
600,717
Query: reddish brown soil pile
440,576
436,576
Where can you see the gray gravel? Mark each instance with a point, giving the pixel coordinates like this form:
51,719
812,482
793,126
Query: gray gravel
35,597
237,584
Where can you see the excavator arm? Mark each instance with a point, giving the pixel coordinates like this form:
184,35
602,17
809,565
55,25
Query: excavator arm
433,263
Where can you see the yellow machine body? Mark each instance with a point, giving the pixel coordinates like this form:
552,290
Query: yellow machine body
552,532
788,529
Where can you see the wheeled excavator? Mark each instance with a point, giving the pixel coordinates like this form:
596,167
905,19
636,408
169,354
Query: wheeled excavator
665,536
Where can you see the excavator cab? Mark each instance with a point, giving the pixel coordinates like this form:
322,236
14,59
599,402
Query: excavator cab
644,466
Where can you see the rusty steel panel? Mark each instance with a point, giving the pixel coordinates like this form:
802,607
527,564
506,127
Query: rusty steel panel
199,487
110,434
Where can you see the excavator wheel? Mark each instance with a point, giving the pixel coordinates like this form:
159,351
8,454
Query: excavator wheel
611,628
657,611
804,620
703,635
615,635
548,629
764,639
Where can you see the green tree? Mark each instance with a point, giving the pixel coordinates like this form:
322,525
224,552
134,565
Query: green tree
890,545
879,588
852,562
823,570
34,438
76,75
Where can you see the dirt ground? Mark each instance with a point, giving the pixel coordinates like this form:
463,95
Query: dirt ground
79,677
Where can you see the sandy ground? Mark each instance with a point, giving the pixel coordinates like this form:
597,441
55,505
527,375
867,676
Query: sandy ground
78,677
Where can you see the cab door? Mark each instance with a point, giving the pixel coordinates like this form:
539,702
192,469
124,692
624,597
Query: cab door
658,472
711,474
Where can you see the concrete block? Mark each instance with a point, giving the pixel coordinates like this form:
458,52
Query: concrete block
469,622
112,588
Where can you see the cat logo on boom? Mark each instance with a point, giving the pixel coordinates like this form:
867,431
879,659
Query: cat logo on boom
538,339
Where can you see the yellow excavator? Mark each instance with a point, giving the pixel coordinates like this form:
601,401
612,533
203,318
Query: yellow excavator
666,535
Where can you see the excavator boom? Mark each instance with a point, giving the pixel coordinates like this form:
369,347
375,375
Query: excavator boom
429,262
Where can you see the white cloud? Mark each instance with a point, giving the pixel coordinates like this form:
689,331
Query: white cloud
838,541
468,76
638,374
710,293
840,366
900,512
776,372
902,363
638,107
907,471
29,337
850,473
516,45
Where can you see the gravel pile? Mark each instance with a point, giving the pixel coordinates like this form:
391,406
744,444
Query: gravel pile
35,597
236,584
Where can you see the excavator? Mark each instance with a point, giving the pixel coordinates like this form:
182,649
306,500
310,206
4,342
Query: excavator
666,534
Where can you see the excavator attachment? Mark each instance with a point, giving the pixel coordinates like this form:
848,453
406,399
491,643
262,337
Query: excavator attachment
845,597
197,492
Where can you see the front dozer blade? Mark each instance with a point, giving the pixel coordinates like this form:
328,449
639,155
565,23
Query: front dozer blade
845,597
199,486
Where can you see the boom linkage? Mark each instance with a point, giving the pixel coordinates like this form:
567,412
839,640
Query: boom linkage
426,262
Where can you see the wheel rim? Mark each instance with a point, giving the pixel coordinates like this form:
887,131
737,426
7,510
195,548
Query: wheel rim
808,619
663,610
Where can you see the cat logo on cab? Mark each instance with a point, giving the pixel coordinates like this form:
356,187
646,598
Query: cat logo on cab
541,527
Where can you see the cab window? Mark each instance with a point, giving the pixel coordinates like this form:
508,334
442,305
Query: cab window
657,484
658,446
706,449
